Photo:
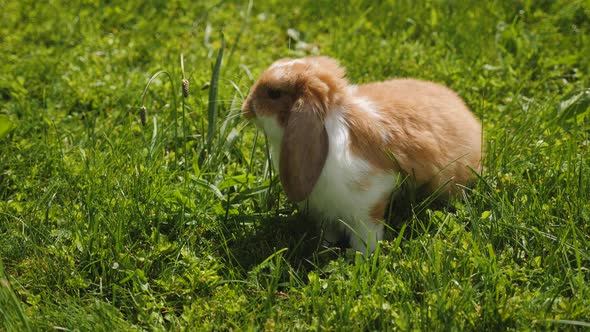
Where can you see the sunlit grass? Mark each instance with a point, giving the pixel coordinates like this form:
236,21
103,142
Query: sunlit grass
108,223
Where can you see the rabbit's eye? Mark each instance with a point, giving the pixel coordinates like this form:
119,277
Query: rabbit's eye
274,93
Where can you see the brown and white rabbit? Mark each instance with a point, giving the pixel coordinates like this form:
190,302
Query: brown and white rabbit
341,150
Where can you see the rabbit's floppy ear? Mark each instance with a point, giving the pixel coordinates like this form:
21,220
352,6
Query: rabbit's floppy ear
304,149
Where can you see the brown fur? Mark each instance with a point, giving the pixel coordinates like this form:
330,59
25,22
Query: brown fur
304,102
324,88
303,152
378,210
361,185
430,134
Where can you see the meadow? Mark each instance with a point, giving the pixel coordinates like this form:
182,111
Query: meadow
129,204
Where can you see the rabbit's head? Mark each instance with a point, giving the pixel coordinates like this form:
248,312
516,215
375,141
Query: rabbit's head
290,101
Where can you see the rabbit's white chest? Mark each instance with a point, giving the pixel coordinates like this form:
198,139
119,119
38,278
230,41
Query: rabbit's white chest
349,187
347,190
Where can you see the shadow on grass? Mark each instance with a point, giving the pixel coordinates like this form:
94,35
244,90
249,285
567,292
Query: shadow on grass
411,208
251,239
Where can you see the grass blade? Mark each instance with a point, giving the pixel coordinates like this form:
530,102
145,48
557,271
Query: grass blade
242,29
14,317
5,125
213,100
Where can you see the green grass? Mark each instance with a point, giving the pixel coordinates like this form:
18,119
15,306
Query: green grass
106,224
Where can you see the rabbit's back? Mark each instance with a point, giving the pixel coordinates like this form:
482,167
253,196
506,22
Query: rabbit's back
430,133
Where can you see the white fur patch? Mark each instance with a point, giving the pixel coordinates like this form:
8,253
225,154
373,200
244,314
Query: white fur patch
287,63
372,115
274,133
281,69
334,198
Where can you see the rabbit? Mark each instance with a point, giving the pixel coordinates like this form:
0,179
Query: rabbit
342,150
